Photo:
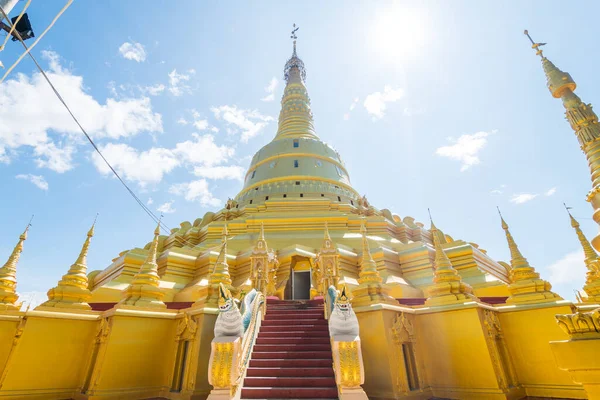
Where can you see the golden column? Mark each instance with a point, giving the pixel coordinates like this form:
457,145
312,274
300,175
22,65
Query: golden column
327,262
370,289
8,276
259,263
525,286
72,290
144,290
592,262
448,287
583,121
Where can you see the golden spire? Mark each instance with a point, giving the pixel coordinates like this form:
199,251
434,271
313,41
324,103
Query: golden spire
295,118
592,262
448,286
525,286
220,272
327,237
583,121
435,231
72,290
8,275
368,268
261,235
144,290
370,289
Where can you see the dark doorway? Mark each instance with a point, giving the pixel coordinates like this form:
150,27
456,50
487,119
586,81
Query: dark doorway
301,285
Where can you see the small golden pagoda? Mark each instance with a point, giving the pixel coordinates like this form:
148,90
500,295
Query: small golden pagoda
239,302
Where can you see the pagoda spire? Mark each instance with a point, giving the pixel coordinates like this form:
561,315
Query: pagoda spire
592,262
448,287
144,290
72,290
8,275
525,286
295,117
220,273
370,289
583,121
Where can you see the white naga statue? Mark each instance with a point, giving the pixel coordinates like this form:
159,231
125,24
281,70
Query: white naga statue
342,321
229,322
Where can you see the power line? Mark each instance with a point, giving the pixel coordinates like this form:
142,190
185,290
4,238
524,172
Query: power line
137,199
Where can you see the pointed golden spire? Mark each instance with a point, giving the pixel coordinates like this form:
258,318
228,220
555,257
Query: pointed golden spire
261,235
295,118
8,275
327,237
368,268
370,289
144,290
592,262
448,286
583,121
435,232
72,290
220,272
525,286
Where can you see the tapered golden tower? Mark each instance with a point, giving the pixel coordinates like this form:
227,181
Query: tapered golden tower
583,121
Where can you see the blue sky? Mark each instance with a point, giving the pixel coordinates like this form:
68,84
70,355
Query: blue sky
190,92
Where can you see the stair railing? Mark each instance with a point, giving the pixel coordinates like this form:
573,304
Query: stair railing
230,356
345,346
259,309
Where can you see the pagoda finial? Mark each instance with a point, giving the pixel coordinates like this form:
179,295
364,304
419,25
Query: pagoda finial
448,286
72,290
8,274
592,263
327,237
534,45
220,273
584,122
525,286
435,232
261,235
368,268
144,290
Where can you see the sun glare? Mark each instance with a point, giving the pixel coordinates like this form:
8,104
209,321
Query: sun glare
399,33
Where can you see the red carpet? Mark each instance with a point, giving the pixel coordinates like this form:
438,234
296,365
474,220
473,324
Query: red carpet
292,354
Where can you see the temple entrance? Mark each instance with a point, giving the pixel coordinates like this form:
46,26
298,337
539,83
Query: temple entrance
299,282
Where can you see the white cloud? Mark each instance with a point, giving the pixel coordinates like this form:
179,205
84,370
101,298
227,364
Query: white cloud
37,180
550,192
203,151
178,82
182,121
196,191
154,90
352,107
465,149
220,172
411,111
249,122
150,201
522,198
166,208
570,269
142,167
270,89
133,51
149,166
32,116
376,103
496,192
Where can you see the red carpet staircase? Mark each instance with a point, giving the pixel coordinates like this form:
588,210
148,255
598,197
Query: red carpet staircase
292,354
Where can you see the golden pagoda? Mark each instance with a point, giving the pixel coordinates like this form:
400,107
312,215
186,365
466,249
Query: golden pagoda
238,304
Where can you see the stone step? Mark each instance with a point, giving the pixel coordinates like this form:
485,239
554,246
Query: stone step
286,363
289,393
290,372
278,333
289,382
292,340
291,347
263,355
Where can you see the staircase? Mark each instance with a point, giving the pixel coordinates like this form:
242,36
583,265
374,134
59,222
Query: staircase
292,354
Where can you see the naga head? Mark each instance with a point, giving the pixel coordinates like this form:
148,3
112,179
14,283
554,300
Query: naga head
342,302
225,299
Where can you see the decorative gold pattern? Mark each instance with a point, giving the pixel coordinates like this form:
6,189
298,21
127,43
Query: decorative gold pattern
580,325
350,368
326,271
222,365
503,368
